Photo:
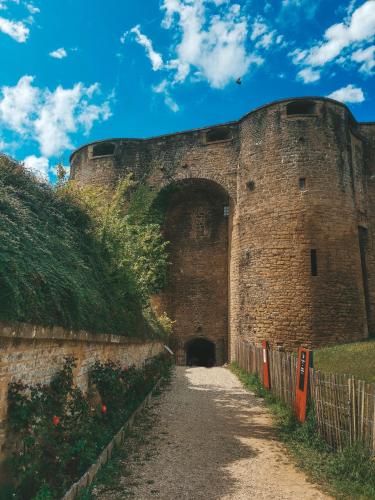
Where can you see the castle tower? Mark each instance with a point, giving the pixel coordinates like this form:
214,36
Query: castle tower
270,229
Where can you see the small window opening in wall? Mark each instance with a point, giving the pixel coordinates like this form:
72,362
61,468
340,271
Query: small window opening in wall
250,185
302,183
226,211
218,134
103,149
300,108
314,262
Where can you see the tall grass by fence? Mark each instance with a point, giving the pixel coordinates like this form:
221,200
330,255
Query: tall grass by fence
344,407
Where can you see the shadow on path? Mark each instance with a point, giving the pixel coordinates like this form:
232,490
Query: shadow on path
208,438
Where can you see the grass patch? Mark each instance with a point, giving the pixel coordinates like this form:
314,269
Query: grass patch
357,359
345,475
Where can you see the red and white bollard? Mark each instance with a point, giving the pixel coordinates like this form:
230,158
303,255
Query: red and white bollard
266,366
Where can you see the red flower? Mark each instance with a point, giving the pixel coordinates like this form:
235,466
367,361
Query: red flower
104,409
55,420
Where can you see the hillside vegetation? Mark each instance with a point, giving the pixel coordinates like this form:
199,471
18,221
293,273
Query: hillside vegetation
79,258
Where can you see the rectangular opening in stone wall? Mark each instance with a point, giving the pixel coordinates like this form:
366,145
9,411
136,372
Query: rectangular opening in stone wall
302,183
103,149
226,211
218,134
300,108
314,262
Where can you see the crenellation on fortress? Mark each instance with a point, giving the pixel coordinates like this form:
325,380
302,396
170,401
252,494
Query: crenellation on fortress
298,180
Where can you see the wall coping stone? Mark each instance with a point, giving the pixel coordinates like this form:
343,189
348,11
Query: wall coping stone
232,123
26,331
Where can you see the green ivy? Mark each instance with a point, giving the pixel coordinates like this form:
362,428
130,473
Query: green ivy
80,258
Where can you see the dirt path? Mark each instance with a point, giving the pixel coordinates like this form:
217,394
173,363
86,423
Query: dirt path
210,439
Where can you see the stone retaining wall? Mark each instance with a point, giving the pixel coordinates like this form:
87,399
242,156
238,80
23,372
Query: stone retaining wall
33,354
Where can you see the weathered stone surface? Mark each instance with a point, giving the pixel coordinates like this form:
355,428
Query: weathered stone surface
294,183
33,354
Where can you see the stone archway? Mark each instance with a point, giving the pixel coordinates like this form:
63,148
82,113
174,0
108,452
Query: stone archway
200,352
196,297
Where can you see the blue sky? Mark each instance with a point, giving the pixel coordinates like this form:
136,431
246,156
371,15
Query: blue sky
74,71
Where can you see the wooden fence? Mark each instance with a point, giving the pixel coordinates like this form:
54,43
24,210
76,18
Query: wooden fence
344,407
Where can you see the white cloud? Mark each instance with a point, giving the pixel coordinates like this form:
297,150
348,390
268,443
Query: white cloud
258,28
18,29
32,9
366,57
298,55
39,166
58,53
350,8
360,27
264,36
266,40
51,117
171,103
61,114
348,94
212,46
18,103
294,10
163,88
308,75
211,42
155,57
15,29
3,3
92,113
340,38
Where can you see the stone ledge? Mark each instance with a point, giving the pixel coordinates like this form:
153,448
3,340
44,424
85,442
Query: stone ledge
25,331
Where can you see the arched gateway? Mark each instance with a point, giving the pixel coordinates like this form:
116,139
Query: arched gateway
200,352
270,227
197,227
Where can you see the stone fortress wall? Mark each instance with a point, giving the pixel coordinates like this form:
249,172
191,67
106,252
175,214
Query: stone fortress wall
272,230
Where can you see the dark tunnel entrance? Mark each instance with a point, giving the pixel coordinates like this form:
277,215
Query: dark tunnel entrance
200,352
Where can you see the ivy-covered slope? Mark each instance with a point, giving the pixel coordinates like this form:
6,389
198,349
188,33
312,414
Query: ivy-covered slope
75,259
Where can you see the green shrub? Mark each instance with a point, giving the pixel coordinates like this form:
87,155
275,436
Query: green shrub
76,258
60,431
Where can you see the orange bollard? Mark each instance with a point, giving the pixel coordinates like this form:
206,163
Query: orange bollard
305,357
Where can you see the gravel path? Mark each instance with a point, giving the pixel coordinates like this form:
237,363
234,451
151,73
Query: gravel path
210,439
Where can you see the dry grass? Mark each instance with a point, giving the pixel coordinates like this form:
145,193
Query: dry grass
357,358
